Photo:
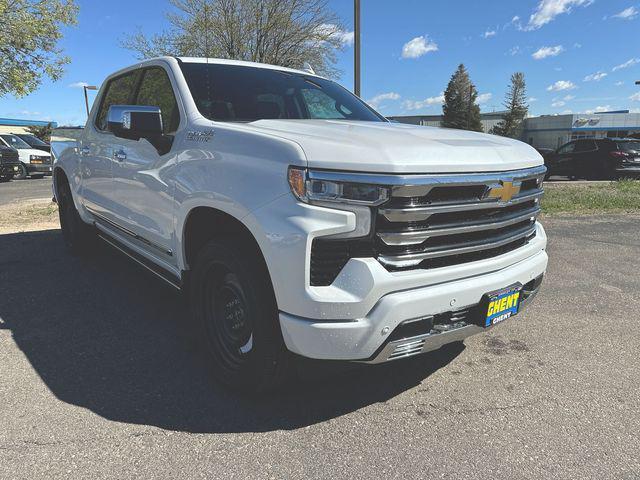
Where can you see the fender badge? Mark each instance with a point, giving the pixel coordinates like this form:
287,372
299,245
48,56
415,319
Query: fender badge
199,136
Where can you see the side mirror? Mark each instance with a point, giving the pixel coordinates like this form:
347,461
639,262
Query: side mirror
134,121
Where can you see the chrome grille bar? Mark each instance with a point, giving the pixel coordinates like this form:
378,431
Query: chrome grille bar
422,213
413,259
416,237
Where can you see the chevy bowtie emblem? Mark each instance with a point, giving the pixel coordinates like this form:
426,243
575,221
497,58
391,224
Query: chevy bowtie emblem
505,192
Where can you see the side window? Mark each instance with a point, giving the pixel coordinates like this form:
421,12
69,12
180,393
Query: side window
119,91
585,146
156,91
568,148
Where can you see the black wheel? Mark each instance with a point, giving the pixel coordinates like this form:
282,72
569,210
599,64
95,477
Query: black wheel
37,176
22,173
78,236
5,179
236,317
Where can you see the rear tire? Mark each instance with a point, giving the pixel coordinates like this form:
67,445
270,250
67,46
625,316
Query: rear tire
236,317
6,179
79,237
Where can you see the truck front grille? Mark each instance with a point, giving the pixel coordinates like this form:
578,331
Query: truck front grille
8,156
433,221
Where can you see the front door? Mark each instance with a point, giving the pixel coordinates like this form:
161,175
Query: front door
140,171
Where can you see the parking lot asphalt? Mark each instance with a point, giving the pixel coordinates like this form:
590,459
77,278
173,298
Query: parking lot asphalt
28,189
100,379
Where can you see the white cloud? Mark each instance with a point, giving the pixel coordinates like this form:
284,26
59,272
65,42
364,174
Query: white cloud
484,98
545,52
420,104
532,99
513,51
595,77
561,85
627,64
343,36
568,98
418,47
381,97
635,97
548,10
627,14
619,84
558,104
599,109
78,85
566,112
489,34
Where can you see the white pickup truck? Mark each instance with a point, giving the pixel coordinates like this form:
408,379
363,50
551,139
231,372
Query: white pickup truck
298,219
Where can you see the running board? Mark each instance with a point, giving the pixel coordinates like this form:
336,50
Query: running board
159,272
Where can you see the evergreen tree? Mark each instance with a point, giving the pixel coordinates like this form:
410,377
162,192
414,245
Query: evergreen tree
460,108
517,108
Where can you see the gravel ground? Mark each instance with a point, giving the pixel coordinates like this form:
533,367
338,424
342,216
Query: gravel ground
100,379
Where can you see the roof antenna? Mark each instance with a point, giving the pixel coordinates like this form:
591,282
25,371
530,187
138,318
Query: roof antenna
306,67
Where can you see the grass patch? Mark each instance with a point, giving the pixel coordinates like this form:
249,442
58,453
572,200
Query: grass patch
28,215
614,197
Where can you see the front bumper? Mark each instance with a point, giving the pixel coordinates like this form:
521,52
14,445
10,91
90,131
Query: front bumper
39,168
363,338
7,169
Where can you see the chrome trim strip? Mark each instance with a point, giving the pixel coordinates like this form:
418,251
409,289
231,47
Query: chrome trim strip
412,259
451,179
419,214
134,235
428,342
416,237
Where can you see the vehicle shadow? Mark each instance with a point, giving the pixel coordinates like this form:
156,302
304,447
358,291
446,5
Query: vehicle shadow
105,335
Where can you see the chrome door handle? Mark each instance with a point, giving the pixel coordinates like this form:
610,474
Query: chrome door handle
120,155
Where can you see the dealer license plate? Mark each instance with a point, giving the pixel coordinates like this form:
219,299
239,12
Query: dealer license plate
502,304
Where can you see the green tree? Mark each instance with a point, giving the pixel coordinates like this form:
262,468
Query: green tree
517,108
43,132
460,107
280,32
29,35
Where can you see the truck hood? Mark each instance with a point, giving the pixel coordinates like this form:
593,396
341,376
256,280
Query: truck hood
400,148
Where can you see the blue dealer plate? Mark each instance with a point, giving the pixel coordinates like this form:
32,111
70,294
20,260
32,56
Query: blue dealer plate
502,305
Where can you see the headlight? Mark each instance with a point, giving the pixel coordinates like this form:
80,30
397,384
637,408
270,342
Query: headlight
311,186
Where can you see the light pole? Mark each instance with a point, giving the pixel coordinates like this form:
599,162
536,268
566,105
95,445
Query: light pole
356,47
86,97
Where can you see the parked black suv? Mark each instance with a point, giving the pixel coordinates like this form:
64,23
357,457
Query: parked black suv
9,163
596,159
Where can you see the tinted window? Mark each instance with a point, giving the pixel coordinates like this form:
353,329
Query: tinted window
15,142
33,140
585,146
629,146
568,148
156,91
240,93
119,91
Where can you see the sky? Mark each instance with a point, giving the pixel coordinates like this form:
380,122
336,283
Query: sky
578,56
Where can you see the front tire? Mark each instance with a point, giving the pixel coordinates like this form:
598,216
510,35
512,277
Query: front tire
236,318
78,236
22,174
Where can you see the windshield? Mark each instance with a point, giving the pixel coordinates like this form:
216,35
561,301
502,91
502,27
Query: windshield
629,146
15,142
33,140
236,93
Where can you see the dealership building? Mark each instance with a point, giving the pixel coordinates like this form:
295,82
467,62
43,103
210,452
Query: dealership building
551,131
13,125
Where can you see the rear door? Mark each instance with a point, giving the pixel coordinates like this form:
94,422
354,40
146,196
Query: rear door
561,161
96,148
140,182
585,161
